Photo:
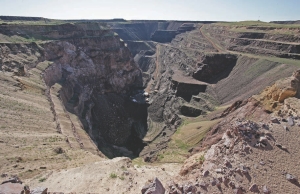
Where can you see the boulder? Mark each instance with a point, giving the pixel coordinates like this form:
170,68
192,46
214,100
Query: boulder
266,190
189,188
274,120
263,139
154,188
213,182
290,121
254,188
26,190
39,190
9,188
291,178
238,190
205,173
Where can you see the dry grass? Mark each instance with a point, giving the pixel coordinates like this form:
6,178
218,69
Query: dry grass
258,24
187,136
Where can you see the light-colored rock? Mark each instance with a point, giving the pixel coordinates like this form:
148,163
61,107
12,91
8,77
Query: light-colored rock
9,188
155,188
263,139
192,163
290,121
266,190
291,178
39,190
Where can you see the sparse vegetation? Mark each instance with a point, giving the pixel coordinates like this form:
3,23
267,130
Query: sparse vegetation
201,159
113,175
42,179
37,118
58,150
123,168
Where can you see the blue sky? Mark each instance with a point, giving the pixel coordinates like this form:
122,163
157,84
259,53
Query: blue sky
216,10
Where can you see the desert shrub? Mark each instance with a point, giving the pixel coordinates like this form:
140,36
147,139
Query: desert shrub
113,175
58,150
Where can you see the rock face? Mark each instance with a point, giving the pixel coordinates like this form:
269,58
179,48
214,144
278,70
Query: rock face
273,96
23,57
240,149
98,76
212,66
190,111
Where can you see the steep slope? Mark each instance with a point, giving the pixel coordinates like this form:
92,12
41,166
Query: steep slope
257,151
97,76
69,98
256,38
194,74
33,142
149,89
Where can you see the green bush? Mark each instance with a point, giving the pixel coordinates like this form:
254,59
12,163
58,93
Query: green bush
113,175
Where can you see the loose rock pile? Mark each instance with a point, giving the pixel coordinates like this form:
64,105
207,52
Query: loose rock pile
221,167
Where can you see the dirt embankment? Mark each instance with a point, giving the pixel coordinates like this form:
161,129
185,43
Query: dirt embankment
248,77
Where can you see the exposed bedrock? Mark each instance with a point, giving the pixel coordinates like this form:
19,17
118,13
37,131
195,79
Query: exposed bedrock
186,89
215,65
159,31
98,77
261,40
16,56
163,35
190,111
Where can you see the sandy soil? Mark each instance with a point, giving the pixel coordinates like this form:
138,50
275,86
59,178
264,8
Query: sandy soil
118,175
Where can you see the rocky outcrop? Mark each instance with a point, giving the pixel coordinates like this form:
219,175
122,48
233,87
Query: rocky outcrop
164,36
186,27
238,149
15,57
213,65
14,186
154,188
97,76
11,188
186,87
233,107
291,107
273,97
190,111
